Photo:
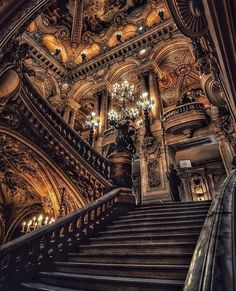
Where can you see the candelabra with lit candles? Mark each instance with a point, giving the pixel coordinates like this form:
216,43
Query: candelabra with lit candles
93,122
146,105
124,93
35,223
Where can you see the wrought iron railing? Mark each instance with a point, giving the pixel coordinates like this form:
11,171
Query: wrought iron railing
189,107
213,263
21,258
84,149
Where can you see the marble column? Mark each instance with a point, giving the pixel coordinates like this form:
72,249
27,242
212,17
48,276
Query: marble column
155,94
226,153
103,113
72,118
143,86
66,114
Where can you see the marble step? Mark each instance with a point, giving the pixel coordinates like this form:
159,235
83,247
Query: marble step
166,209
45,287
160,218
141,225
164,214
133,270
128,238
174,205
152,230
132,258
164,247
109,283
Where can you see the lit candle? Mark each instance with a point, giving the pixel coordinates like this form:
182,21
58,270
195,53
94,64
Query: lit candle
28,226
40,220
35,225
23,226
46,220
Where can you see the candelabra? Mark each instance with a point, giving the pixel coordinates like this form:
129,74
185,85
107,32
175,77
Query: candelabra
146,105
123,92
57,52
35,223
92,121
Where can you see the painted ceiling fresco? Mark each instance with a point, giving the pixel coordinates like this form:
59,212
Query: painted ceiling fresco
178,75
97,14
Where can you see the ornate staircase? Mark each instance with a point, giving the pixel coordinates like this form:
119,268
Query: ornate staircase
147,248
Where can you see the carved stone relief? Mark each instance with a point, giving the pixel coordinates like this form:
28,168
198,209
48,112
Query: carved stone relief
26,182
151,150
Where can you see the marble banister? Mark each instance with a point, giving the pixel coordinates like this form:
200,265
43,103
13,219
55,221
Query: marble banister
21,258
213,262
90,155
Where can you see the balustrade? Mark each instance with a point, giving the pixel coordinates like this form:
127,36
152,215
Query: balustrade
91,156
21,258
189,107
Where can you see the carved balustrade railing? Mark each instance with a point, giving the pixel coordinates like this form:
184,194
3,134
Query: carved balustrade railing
189,107
21,258
95,160
27,114
213,264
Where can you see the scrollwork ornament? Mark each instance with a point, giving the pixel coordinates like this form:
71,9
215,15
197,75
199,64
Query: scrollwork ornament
151,146
10,116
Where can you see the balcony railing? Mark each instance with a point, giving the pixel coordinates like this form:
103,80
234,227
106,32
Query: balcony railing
185,119
189,107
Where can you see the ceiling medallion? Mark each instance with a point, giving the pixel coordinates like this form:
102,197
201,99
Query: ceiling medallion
183,70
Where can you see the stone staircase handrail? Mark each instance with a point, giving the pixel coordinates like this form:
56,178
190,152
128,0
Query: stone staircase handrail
26,253
95,159
213,263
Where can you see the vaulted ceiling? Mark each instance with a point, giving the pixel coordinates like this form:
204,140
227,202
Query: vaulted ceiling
91,27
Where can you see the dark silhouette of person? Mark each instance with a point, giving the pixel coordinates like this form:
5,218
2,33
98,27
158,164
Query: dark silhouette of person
174,182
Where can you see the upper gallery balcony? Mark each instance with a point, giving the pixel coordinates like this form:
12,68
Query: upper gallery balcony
184,119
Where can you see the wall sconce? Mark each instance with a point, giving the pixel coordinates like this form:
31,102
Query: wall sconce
160,13
83,56
57,52
119,36
93,122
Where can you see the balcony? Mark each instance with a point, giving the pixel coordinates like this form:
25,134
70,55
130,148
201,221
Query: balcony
185,119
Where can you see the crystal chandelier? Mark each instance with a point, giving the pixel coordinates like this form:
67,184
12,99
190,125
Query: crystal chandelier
144,103
35,223
125,93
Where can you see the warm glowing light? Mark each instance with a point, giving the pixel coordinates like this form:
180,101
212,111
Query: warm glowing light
144,103
92,121
35,223
142,52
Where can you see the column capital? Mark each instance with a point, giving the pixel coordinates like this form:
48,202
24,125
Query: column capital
71,104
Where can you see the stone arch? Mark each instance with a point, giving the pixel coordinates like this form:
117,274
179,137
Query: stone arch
120,69
28,178
9,82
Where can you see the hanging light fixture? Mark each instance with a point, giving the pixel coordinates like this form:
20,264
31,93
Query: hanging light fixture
124,93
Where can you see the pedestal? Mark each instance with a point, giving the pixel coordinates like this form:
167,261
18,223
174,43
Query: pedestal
121,169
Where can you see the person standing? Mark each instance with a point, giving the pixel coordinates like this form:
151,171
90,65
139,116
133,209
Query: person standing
174,182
